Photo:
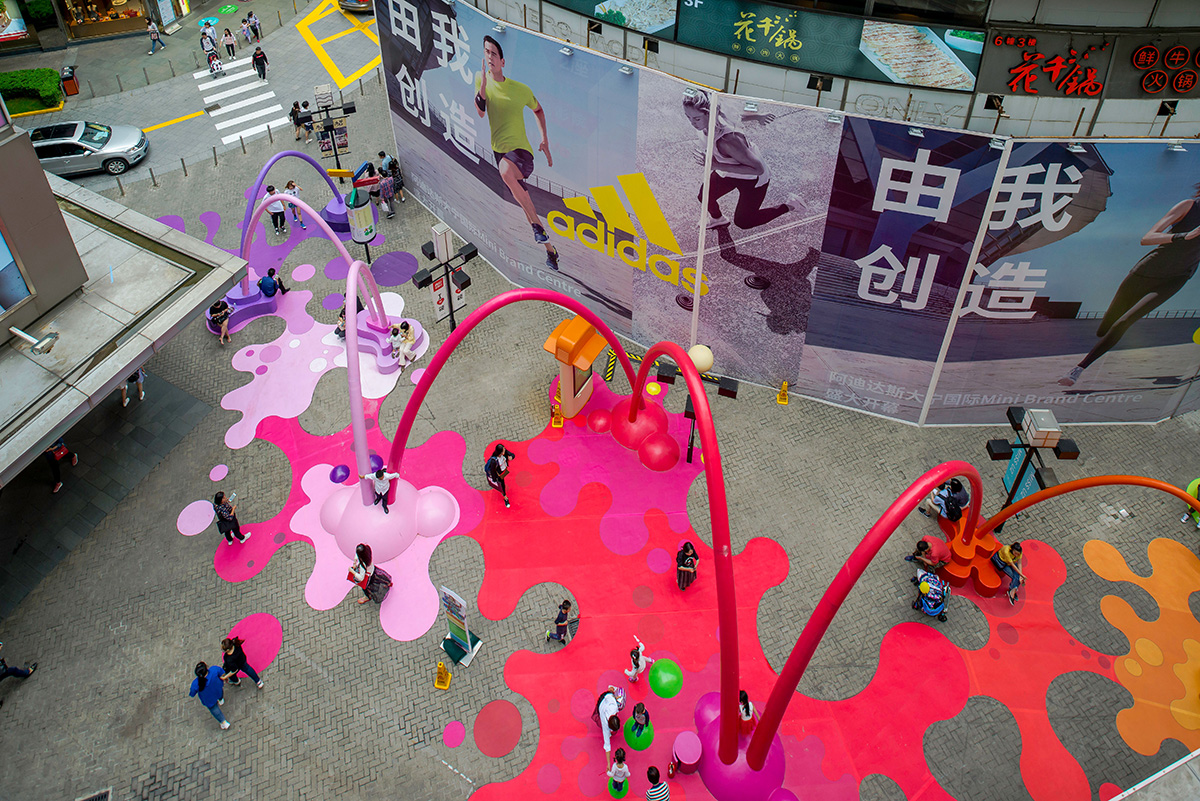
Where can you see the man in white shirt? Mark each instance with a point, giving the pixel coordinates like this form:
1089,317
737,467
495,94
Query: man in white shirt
607,708
382,482
278,217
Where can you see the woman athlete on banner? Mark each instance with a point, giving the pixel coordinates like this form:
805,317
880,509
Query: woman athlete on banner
737,166
1153,280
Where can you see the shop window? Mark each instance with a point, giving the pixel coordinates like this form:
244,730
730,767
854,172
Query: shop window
946,12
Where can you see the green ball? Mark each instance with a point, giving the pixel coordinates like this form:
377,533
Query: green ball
624,791
666,679
638,743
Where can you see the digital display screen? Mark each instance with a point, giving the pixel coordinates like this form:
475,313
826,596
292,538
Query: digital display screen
13,288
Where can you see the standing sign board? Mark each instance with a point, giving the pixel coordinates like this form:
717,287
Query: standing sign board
362,219
339,137
438,290
1028,483
460,644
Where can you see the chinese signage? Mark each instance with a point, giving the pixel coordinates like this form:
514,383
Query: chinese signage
339,137
911,55
437,291
1046,64
1170,69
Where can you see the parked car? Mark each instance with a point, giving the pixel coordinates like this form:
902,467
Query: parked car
66,148
360,6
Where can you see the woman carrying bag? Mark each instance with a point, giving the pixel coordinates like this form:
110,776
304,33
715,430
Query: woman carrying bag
372,580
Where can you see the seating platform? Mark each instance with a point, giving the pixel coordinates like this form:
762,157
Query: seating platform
246,307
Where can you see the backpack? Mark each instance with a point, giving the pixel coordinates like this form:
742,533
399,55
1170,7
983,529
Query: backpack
952,509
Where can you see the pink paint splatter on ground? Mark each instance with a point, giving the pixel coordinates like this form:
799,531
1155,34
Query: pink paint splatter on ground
219,472
263,635
195,518
303,272
454,734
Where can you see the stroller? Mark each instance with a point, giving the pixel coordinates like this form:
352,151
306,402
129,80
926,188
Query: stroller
932,593
215,67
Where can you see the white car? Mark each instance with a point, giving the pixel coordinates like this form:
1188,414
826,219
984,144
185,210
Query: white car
66,148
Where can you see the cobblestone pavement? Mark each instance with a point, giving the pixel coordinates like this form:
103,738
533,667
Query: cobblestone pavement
348,713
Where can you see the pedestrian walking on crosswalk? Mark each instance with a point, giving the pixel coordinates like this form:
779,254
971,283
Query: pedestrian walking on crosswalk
259,60
230,43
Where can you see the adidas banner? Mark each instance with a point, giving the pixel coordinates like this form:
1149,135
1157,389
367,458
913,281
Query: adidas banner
900,270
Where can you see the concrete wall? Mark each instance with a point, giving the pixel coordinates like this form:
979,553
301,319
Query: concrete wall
36,233
1027,116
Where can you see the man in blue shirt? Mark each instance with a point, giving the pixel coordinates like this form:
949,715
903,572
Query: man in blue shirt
271,283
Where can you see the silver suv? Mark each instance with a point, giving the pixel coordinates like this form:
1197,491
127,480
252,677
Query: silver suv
66,148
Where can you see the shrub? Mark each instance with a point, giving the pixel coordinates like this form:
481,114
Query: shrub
39,84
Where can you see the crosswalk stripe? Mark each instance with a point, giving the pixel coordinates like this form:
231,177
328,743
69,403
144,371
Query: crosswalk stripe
237,90
241,76
262,112
257,129
250,101
229,66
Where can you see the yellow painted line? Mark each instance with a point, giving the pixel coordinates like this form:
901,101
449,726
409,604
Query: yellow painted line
337,36
45,110
323,10
172,122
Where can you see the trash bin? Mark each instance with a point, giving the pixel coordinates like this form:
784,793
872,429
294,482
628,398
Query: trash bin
69,81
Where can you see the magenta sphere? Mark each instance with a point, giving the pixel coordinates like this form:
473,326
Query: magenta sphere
736,782
659,452
600,420
650,419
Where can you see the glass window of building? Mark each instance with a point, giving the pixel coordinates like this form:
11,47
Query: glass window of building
945,12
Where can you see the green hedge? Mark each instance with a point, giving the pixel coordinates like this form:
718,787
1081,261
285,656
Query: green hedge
40,84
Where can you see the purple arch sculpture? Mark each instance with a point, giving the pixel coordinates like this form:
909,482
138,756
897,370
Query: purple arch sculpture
261,179
377,318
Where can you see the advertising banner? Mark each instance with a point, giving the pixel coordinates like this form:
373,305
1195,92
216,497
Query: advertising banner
913,55
655,17
339,137
769,185
1046,63
1082,299
903,217
437,292
511,138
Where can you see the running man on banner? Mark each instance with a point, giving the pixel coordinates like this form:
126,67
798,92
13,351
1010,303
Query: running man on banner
503,101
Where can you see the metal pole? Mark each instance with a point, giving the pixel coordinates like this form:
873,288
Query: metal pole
172,66
270,136
378,76
183,164
147,76
153,180
361,92
367,248
119,186
279,14
1017,481
214,155
91,89
119,86
450,296
241,139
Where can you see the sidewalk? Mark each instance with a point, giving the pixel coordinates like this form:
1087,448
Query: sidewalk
114,66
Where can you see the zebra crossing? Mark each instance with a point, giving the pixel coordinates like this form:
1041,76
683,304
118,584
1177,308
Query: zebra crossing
240,104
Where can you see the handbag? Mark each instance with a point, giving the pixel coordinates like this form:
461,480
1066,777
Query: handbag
60,453
360,584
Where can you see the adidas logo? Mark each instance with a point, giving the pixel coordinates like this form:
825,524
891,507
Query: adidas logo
602,234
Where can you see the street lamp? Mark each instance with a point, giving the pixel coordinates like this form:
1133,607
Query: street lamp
452,269
326,112
1036,429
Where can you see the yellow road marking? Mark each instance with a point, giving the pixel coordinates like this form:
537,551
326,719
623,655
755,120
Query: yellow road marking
323,10
172,122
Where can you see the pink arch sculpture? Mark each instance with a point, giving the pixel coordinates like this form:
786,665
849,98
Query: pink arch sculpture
376,318
839,588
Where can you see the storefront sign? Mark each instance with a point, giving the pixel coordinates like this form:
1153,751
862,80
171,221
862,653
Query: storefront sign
1046,64
1170,69
911,55
326,139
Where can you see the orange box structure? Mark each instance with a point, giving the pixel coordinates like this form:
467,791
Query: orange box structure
576,344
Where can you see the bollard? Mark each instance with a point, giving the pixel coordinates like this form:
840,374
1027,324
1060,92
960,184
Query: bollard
242,139
172,66
147,76
119,186
361,92
341,100
269,135
91,89
214,155
280,15
184,165
379,76
120,88
294,11
153,180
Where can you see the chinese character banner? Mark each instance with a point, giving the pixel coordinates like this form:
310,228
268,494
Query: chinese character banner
904,214
913,55
768,183
500,131
1082,298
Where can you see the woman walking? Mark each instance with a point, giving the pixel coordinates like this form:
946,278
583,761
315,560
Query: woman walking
294,116
373,581
211,690
745,714
1153,280
230,43
235,660
737,166
496,468
685,566
227,522
294,189
387,190
255,26
220,313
